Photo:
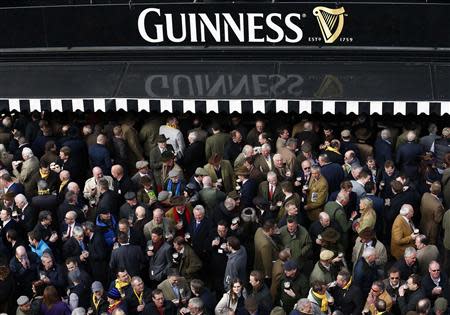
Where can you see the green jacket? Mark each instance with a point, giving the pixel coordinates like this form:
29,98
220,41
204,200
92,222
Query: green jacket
299,285
216,144
300,243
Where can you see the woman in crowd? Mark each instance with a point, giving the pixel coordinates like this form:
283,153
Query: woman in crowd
52,304
233,299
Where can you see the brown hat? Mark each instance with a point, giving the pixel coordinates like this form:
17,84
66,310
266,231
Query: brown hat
178,201
233,195
215,159
161,139
242,171
367,234
331,235
167,156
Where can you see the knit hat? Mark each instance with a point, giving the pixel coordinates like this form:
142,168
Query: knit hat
96,286
290,265
22,300
114,294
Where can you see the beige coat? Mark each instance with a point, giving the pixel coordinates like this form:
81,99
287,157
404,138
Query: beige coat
401,237
432,211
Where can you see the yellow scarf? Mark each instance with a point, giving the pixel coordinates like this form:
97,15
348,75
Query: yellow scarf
44,176
139,297
380,313
333,150
42,192
324,301
349,283
121,284
93,301
62,185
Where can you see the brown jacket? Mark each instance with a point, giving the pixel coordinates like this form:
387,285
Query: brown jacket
266,252
432,212
401,237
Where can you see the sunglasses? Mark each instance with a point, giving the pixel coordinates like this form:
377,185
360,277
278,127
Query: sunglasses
394,278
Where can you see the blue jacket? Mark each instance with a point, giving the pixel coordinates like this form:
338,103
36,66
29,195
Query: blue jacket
108,231
99,156
40,249
334,174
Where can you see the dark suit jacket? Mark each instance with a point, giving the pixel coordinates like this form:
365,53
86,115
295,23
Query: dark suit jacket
109,200
195,183
200,236
71,248
29,218
248,192
383,152
408,158
263,191
98,256
334,175
16,188
428,285
99,156
194,156
169,309
129,257
45,202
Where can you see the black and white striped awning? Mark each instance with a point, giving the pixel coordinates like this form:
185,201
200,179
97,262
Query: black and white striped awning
224,106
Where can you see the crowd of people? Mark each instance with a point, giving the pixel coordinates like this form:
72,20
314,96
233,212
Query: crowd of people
136,214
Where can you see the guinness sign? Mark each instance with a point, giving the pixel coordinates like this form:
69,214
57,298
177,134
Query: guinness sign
331,22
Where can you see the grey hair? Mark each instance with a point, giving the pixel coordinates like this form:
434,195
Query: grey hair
266,146
78,231
315,168
193,135
409,251
27,153
302,304
247,149
404,210
79,311
342,196
42,184
196,302
369,251
385,134
200,209
324,215
74,276
20,198
291,141
277,157
271,174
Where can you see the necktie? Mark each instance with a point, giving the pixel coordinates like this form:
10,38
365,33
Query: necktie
197,225
176,292
69,231
271,190
83,248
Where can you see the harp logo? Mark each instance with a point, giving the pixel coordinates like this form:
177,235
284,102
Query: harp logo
331,22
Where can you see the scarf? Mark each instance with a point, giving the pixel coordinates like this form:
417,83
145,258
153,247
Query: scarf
380,313
177,189
44,176
323,300
120,285
139,297
349,283
43,192
333,150
93,301
113,306
63,183
177,218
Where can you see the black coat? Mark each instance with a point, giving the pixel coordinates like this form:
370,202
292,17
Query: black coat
408,158
194,156
428,286
160,262
409,301
109,200
98,256
405,270
334,174
133,302
248,192
383,152
348,301
364,275
24,277
129,257
71,248
169,309
200,236
45,202
30,217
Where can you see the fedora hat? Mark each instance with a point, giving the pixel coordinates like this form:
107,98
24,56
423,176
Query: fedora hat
331,235
161,139
178,201
242,171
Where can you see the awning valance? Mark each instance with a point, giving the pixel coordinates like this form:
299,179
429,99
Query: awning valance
225,106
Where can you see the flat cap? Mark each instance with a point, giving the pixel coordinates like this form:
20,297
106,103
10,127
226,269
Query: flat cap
326,254
22,300
141,164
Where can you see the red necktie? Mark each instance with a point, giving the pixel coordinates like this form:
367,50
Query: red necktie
271,189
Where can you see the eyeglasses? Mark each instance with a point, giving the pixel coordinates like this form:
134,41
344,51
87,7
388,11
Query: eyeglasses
394,278
306,168
435,270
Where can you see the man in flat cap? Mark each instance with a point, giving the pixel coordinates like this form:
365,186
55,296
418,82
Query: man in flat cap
156,160
143,169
